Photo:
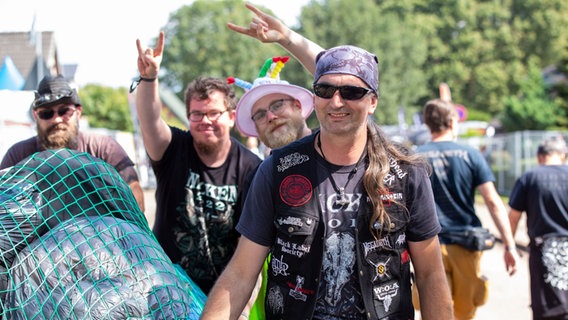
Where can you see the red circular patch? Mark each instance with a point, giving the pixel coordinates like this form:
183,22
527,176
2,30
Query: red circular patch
295,190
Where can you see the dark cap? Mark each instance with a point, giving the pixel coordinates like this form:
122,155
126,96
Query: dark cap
349,60
53,91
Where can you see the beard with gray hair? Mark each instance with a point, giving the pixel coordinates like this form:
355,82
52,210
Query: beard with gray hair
60,135
291,130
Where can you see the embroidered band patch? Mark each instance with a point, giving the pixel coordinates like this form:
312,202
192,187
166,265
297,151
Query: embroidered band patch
296,190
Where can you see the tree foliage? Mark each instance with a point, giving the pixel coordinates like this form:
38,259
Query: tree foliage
199,43
106,107
556,82
481,48
532,109
492,42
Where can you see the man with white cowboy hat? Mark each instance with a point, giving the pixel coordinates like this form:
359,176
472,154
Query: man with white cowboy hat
273,110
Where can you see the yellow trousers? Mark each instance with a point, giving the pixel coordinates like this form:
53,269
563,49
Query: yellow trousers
469,288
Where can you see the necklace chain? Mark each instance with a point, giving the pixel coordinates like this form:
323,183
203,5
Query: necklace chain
341,198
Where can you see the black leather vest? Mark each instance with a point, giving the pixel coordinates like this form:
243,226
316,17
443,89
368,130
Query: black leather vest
294,269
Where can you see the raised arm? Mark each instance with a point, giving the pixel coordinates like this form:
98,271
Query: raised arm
267,28
155,132
499,214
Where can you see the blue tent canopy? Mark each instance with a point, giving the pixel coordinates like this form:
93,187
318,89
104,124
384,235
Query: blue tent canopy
10,77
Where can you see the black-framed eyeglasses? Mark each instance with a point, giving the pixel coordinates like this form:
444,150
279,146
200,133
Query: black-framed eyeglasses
49,97
275,107
212,115
46,114
327,91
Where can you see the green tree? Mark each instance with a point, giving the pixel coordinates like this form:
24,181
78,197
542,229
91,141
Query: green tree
393,37
198,43
480,48
106,107
532,109
556,81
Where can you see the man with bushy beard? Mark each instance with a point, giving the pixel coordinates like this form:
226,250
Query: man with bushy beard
56,110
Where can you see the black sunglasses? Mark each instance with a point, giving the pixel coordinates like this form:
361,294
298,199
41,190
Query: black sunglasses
47,114
327,91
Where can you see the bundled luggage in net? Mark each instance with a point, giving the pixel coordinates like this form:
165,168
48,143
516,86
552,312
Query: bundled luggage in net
75,245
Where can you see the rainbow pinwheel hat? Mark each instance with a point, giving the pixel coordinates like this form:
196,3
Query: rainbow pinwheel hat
268,82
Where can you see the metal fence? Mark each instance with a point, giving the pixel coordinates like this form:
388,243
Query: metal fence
510,155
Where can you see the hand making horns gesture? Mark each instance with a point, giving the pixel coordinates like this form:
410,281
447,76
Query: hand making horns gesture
263,27
149,59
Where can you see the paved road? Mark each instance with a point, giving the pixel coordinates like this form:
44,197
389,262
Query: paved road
508,297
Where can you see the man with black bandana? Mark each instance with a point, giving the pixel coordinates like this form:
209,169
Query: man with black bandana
345,214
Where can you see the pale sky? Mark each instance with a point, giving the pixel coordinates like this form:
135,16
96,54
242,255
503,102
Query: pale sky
100,36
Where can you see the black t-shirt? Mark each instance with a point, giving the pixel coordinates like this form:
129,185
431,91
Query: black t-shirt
543,194
197,206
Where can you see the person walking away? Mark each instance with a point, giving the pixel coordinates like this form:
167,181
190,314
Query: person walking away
542,193
457,173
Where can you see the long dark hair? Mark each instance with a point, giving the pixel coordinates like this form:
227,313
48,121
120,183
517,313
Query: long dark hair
381,151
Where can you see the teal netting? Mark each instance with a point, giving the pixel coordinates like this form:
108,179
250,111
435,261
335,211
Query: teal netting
75,245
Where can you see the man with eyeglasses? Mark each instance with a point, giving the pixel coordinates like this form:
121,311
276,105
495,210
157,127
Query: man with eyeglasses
275,111
57,110
201,173
343,212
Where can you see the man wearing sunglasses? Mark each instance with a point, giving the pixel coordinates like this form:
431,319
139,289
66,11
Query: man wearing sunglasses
201,172
57,110
343,212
